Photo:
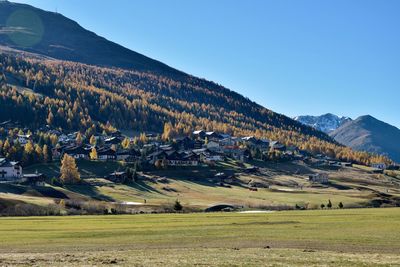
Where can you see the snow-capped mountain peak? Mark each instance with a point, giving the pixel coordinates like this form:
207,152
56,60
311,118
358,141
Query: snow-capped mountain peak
326,123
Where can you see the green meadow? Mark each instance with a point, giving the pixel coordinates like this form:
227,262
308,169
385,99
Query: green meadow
294,238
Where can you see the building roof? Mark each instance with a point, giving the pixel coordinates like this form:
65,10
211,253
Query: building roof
157,153
199,151
117,173
105,151
25,136
76,150
166,147
6,163
131,152
276,144
113,140
248,138
213,142
34,175
5,123
212,134
183,138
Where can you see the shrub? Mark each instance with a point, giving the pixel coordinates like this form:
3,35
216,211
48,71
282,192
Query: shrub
56,182
298,207
329,205
178,206
73,204
91,207
25,209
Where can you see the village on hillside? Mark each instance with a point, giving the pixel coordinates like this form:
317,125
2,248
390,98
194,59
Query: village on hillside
20,148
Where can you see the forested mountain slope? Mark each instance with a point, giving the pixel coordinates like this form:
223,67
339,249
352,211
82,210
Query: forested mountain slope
121,88
133,99
73,96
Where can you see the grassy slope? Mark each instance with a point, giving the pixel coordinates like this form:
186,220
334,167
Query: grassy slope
196,187
196,194
337,237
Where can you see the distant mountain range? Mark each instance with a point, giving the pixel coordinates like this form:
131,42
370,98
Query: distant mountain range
365,133
325,123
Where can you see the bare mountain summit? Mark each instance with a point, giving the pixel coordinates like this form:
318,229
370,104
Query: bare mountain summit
369,134
51,34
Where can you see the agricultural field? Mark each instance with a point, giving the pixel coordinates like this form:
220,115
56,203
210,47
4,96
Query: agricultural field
352,237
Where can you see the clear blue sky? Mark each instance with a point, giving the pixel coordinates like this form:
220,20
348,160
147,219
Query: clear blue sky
295,57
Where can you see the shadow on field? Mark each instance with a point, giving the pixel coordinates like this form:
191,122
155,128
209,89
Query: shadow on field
12,189
339,186
32,191
142,186
200,176
88,190
48,192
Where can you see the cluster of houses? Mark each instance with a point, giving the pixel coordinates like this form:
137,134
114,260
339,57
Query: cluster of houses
108,148
202,148
199,149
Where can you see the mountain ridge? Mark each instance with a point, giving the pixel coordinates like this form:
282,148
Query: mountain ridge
57,45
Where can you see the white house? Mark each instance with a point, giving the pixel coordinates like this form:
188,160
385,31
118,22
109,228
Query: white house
23,139
321,178
213,146
234,152
381,166
213,158
10,170
227,142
